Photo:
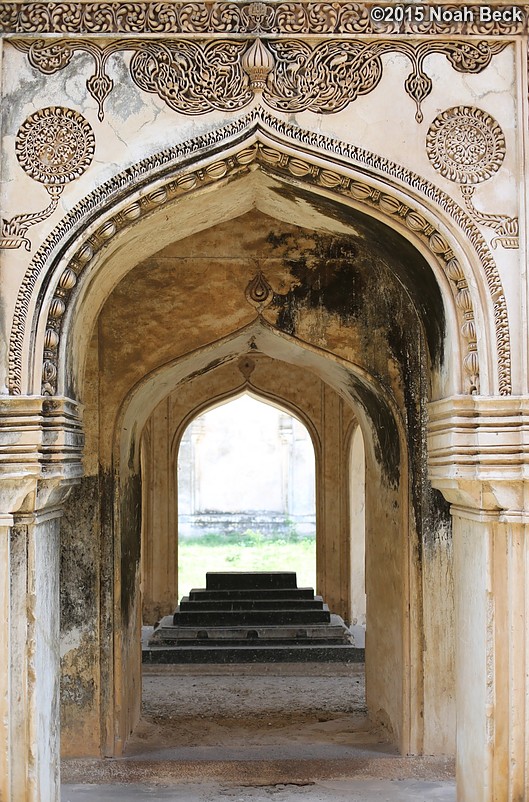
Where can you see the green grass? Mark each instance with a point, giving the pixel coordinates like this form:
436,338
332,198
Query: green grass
249,551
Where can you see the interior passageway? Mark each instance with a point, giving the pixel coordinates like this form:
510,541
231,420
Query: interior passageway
207,339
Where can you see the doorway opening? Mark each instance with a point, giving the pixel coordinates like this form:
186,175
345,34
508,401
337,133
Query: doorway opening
246,493
331,386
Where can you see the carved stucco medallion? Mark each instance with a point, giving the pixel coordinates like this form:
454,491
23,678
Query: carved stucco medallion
465,144
53,146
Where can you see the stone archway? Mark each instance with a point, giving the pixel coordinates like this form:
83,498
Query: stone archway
388,397
263,151
391,517
446,395
264,379
290,329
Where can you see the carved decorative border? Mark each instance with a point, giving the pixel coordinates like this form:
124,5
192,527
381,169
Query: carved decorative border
275,161
163,165
195,77
506,227
305,18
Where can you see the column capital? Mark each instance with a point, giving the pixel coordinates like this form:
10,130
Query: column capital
41,441
478,453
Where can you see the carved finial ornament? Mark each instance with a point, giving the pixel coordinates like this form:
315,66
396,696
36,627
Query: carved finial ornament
259,292
258,62
246,366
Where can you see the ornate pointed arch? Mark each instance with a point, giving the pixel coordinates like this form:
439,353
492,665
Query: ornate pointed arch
348,379
350,176
245,388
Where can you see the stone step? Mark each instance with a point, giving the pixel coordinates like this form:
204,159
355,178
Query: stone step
166,632
250,604
224,618
250,580
254,616
249,640
201,594
253,654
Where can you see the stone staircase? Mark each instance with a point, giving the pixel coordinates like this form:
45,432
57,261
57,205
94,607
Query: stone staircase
242,617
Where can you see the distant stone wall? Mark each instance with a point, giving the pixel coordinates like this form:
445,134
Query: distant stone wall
246,465
263,521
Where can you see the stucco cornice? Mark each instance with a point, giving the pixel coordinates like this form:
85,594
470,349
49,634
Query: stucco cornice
475,430
295,18
40,439
478,453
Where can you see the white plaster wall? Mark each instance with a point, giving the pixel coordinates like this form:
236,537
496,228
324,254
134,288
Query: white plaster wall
44,661
473,608
242,462
4,661
22,696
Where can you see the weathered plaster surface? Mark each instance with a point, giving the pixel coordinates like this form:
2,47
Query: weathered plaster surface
354,304
80,577
334,294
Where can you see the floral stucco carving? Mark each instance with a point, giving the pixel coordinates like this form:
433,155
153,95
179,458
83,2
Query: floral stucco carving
53,146
467,146
194,77
174,17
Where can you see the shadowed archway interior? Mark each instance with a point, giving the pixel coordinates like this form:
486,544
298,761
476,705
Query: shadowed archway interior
333,324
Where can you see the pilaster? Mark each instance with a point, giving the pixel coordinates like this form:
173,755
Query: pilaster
478,452
40,444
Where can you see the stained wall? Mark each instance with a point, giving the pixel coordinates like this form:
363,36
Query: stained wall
387,331
333,293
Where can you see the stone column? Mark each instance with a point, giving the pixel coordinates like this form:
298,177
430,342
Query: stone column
491,686
357,503
39,459
333,558
285,436
160,517
478,451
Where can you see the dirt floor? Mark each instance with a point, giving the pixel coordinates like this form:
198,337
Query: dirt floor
280,733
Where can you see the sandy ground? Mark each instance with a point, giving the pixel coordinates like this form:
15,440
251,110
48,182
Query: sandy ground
279,733
253,712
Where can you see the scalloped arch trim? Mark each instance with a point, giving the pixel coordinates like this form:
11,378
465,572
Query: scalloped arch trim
256,141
